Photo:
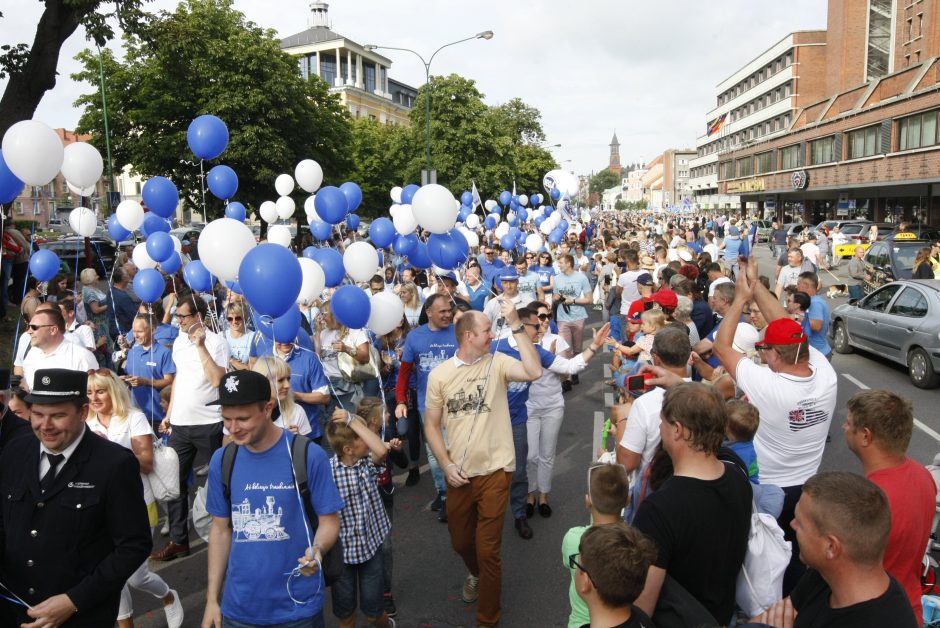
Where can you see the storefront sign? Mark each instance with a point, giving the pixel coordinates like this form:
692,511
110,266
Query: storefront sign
748,185
799,180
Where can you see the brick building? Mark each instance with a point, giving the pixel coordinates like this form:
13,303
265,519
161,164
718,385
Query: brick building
868,145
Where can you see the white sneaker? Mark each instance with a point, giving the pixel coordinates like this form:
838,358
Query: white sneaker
165,530
174,611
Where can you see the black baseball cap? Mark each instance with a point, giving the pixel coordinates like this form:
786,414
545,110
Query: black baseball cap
240,388
58,385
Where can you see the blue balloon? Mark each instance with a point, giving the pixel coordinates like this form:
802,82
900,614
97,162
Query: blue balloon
496,211
284,328
236,211
405,244
222,182
535,200
505,197
419,256
310,252
160,196
270,278
555,194
207,137
197,277
464,214
44,264
353,195
116,230
442,250
408,192
351,307
10,185
331,205
382,232
149,285
563,225
332,264
159,246
491,221
539,220
352,222
513,221
508,242
463,247
153,224
466,199
555,236
320,229
235,287
172,264
523,214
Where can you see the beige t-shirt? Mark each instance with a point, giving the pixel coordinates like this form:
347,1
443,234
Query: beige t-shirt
455,388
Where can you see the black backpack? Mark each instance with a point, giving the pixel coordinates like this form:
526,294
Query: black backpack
333,559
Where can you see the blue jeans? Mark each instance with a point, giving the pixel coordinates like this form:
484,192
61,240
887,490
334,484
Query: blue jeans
519,488
368,580
616,321
311,622
855,292
439,482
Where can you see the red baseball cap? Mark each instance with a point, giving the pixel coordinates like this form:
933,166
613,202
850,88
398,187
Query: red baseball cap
666,298
783,331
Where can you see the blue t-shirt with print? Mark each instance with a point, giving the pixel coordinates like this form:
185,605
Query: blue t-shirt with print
478,295
529,287
306,375
518,392
545,274
426,349
572,286
818,310
269,532
153,363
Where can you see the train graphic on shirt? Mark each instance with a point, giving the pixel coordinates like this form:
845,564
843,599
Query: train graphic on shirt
264,524
462,403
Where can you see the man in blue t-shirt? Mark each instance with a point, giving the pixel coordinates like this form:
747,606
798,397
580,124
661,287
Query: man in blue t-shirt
572,293
149,369
426,347
263,345
489,264
529,283
816,321
309,383
259,535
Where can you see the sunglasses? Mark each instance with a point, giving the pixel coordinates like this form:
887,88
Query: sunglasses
544,317
102,372
234,319
34,327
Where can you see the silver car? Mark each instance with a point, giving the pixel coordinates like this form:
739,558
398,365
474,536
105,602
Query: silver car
900,321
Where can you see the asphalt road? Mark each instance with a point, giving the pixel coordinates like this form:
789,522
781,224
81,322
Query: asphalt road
428,575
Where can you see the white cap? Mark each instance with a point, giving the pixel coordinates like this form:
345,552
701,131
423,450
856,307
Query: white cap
711,287
745,337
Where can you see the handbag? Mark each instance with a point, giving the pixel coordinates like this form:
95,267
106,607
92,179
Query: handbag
165,477
353,371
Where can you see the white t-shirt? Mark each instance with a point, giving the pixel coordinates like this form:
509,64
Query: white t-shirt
81,335
545,392
810,252
642,433
713,250
68,355
788,276
121,433
631,293
353,338
191,389
795,413
298,417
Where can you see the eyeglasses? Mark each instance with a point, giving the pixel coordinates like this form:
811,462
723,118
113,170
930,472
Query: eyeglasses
746,312
536,325
234,319
764,347
574,564
34,327
544,317
182,316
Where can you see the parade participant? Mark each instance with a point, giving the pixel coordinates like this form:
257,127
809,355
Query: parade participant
529,283
509,279
290,415
48,347
237,336
816,321
149,369
75,331
545,269
52,473
572,292
336,338
274,580
96,311
408,293
478,460
477,291
308,384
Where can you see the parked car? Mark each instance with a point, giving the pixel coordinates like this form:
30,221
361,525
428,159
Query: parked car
891,259
71,252
899,321
794,229
764,227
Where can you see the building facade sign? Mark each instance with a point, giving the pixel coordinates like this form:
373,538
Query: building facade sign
747,185
799,180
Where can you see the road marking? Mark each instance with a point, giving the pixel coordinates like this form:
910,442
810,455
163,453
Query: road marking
609,399
926,429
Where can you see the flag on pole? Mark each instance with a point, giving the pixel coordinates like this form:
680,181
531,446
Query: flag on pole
714,127
513,187
476,195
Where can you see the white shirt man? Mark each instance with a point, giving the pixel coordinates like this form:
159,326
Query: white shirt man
49,348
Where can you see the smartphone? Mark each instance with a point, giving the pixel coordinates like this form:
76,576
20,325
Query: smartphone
636,382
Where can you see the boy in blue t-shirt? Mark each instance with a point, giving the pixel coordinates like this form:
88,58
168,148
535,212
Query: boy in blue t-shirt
743,420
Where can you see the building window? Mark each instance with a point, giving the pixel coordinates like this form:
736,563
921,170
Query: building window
745,167
879,38
764,162
383,78
821,150
328,68
368,76
863,141
918,130
727,170
790,157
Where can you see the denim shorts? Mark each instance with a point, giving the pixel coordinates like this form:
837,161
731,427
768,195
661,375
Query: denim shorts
311,622
368,580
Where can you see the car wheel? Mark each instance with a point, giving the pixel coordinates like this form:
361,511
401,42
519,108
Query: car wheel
920,369
840,338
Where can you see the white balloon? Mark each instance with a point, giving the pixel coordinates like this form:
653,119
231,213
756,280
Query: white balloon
309,175
547,226
309,208
523,200
285,207
82,164
223,244
313,281
268,211
361,261
394,209
82,221
434,208
130,215
33,152
284,184
510,215
177,245
404,220
472,238
473,221
386,312
575,228
141,258
81,191
279,234
566,182
533,242
395,193
501,229
489,205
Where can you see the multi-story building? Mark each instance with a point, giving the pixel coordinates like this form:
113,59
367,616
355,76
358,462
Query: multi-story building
666,180
614,165
635,191
868,146
359,76
756,103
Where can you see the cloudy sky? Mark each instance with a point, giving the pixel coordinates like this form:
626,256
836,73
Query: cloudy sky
645,69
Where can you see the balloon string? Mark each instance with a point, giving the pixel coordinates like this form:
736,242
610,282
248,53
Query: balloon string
117,323
20,317
202,187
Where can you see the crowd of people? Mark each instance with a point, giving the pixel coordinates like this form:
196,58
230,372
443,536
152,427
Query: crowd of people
725,395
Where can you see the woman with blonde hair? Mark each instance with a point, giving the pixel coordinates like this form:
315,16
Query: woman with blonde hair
336,338
112,415
290,415
412,302
237,336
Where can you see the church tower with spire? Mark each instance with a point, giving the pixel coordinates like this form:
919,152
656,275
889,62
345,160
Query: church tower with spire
614,156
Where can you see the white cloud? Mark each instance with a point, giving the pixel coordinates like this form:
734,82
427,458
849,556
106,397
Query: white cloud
647,70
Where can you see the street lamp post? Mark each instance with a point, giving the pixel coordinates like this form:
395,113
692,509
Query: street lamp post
430,176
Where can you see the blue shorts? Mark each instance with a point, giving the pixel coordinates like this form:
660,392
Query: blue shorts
313,622
368,580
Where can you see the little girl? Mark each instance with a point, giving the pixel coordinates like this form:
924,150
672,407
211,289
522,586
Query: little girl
291,416
651,322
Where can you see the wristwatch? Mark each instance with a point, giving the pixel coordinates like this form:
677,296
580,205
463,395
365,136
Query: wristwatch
518,328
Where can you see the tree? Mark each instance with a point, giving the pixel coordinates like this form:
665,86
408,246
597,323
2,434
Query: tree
206,58
32,69
603,180
378,159
521,121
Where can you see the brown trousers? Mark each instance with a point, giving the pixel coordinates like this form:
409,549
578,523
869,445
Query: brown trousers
475,514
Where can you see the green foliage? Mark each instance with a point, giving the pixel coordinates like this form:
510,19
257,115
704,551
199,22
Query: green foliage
206,58
621,204
603,180
378,159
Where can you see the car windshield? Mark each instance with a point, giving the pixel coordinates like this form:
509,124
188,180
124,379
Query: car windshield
904,255
852,229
